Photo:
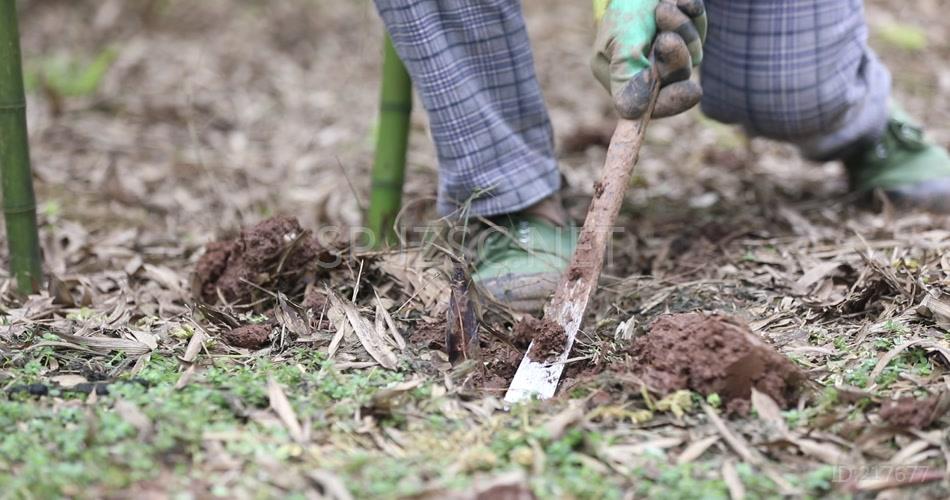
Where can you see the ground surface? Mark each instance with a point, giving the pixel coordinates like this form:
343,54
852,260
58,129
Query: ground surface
214,115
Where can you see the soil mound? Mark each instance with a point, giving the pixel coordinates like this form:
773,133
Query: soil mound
248,337
549,340
276,254
713,354
525,330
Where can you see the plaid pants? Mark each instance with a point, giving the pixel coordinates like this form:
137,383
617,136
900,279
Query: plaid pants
794,70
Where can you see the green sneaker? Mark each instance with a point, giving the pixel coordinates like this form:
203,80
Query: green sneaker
910,170
520,262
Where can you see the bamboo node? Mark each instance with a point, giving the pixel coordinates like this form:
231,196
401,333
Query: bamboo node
13,106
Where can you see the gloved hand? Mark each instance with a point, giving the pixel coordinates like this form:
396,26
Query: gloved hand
626,30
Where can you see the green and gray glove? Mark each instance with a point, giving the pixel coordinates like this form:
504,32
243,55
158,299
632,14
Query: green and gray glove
626,31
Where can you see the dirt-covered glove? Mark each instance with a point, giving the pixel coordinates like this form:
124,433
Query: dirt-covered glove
626,30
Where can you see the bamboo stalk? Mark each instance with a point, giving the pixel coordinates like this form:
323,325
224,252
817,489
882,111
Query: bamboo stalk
389,165
19,202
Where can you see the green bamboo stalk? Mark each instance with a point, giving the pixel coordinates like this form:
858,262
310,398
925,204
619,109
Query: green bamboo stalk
19,203
389,166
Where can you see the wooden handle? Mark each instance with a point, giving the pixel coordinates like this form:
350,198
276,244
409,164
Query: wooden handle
569,304
578,282
570,300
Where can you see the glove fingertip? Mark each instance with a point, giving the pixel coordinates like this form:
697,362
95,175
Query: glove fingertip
634,98
677,98
673,58
692,8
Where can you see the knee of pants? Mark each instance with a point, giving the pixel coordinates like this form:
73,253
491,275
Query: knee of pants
782,108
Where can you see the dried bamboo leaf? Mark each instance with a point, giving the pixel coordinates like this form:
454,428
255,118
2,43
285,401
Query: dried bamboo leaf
696,449
381,312
731,477
622,453
902,457
826,452
134,416
916,475
337,317
374,344
146,338
185,377
194,347
932,346
889,356
283,409
746,452
68,381
130,347
387,397
736,442
167,278
288,317
331,486
428,285
556,425
936,308
813,276
769,411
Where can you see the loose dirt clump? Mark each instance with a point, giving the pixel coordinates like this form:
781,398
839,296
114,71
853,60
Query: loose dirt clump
910,412
248,337
713,354
276,255
549,341
499,363
525,330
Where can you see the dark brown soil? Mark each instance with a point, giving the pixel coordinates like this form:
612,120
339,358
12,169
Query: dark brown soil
248,337
713,354
276,254
579,373
500,359
427,335
525,330
549,341
911,412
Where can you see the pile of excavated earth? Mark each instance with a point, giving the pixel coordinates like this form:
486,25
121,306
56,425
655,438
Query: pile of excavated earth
705,353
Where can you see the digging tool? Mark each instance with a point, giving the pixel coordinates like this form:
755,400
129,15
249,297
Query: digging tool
19,202
389,166
539,378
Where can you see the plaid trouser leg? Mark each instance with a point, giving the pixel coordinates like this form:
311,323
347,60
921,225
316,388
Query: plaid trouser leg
472,66
795,70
